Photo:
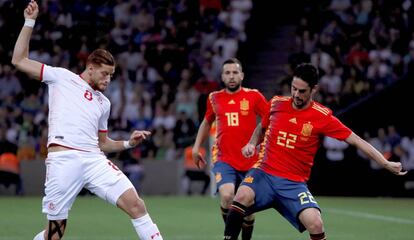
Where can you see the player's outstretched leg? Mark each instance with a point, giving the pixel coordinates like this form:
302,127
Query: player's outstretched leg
134,206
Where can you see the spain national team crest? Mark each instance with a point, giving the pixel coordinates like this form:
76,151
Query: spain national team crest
248,179
218,177
244,107
88,95
307,129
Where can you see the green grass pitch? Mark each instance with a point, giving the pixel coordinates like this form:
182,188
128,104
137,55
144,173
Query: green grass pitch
198,218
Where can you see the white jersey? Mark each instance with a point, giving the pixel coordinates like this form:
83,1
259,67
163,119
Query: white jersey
76,112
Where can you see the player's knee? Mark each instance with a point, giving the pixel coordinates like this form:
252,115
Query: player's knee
138,204
315,225
132,204
137,207
227,198
245,197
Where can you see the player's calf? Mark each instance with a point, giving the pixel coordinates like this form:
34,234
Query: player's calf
224,213
56,229
234,221
247,228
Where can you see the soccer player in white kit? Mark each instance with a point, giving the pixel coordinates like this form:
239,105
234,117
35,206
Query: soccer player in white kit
78,115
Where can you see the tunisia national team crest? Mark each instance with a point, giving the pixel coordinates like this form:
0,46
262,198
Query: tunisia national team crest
51,206
88,95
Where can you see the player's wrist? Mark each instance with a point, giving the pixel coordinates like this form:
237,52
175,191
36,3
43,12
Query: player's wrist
28,22
252,144
127,145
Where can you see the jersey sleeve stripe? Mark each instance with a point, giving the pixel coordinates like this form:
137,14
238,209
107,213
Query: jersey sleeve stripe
41,72
213,102
325,111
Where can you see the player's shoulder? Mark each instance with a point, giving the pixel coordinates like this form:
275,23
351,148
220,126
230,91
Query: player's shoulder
61,70
319,108
104,97
278,98
216,93
56,75
250,90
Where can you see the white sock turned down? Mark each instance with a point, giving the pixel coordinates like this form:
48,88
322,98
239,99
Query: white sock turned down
146,229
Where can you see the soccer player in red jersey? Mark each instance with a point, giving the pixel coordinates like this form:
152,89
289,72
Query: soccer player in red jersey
235,110
294,127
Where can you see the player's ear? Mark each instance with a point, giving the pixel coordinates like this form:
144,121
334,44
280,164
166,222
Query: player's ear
315,89
89,67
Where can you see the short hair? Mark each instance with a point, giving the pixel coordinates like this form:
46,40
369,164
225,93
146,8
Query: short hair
233,61
99,57
308,73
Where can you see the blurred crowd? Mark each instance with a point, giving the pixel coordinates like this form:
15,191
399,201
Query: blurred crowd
387,140
360,46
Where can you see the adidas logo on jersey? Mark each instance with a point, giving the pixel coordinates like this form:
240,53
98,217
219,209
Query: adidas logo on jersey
231,102
293,120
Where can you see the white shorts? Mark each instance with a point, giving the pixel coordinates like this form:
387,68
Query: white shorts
67,172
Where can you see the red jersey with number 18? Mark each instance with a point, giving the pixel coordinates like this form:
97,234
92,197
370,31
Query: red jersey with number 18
235,115
293,137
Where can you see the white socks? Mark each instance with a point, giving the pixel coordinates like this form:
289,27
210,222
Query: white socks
145,228
40,236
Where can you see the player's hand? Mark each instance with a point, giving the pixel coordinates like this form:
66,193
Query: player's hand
198,159
32,10
396,168
138,136
248,150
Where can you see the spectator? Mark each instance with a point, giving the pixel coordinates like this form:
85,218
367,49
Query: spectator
334,149
10,171
9,164
184,131
132,167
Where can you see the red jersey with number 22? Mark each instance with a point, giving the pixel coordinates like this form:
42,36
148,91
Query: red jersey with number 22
293,137
235,115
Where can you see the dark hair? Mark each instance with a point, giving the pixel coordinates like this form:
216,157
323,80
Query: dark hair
233,61
99,57
308,73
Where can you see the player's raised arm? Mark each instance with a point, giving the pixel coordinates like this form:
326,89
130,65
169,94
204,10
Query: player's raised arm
21,49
